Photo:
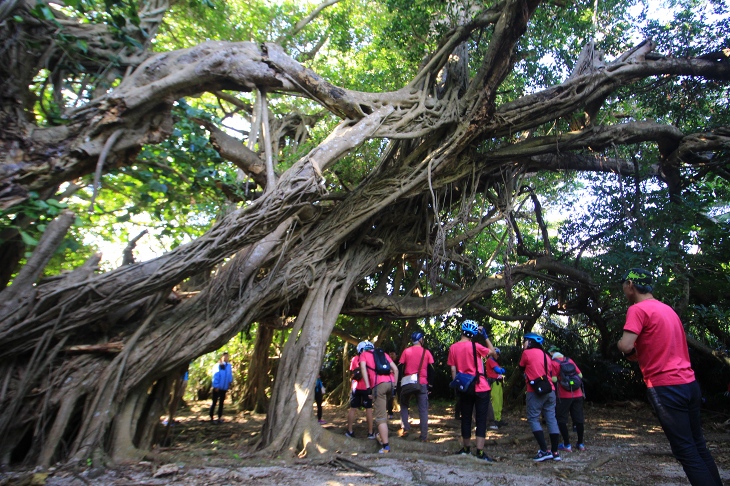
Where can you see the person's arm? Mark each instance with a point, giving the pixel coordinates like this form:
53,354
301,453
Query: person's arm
453,372
394,370
626,345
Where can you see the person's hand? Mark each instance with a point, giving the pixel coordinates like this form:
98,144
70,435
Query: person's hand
369,391
483,332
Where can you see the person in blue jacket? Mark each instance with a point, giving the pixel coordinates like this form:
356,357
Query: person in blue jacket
222,379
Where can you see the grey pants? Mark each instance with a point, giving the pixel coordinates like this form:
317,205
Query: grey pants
422,400
544,405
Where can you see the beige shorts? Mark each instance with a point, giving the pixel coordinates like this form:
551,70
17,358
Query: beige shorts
380,402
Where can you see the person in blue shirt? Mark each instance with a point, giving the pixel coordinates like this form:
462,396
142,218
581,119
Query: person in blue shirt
222,379
319,391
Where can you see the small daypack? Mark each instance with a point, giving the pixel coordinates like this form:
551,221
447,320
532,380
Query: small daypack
568,376
382,366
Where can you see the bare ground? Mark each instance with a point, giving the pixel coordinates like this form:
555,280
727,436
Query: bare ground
624,446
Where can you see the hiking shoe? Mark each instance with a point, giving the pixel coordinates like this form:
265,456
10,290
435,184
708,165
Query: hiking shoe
566,448
556,456
349,434
482,456
543,456
371,436
580,447
464,451
384,450
494,426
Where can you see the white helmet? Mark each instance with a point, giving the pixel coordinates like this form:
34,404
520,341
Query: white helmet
364,346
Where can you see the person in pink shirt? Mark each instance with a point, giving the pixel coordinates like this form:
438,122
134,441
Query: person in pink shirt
535,364
416,360
465,356
380,387
570,401
653,335
360,396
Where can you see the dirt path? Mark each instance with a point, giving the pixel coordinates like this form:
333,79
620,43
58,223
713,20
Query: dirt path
625,446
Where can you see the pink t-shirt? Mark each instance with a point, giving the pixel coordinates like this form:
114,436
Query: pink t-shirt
491,364
461,355
375,379
562,392
355,364
661,345
411,357
533,360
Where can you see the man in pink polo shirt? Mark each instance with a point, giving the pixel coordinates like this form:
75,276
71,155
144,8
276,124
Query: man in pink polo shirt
654,336
416,360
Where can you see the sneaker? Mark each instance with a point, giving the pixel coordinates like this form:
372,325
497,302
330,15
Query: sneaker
494,426
464,451
322,421
556,456
580,447
384,450
403,433
350,434
567,448
543,456
482,456
371,436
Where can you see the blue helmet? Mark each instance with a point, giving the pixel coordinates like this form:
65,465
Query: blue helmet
469,328
364,346
534,337
417,336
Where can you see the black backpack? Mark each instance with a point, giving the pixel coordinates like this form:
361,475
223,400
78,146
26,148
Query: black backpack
568,376
382,365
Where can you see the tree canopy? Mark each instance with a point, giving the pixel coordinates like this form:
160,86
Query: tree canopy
344,168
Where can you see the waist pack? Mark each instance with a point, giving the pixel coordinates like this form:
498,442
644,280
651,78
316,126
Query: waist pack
541,386
464,383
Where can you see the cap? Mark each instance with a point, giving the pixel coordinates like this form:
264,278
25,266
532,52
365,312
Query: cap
638,276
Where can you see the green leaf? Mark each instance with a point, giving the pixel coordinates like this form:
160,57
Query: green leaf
27,239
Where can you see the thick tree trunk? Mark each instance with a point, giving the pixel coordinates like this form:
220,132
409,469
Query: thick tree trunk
289,426
257,381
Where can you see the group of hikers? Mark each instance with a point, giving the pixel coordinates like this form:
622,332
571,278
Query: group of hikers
653,336
479,386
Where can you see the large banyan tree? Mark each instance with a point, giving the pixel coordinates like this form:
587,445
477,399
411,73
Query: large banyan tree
421,197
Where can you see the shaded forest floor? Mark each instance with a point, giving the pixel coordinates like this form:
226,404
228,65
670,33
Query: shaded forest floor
625,446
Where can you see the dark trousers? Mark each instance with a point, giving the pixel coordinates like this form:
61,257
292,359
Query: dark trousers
678,409
470,403
218,396
318,400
